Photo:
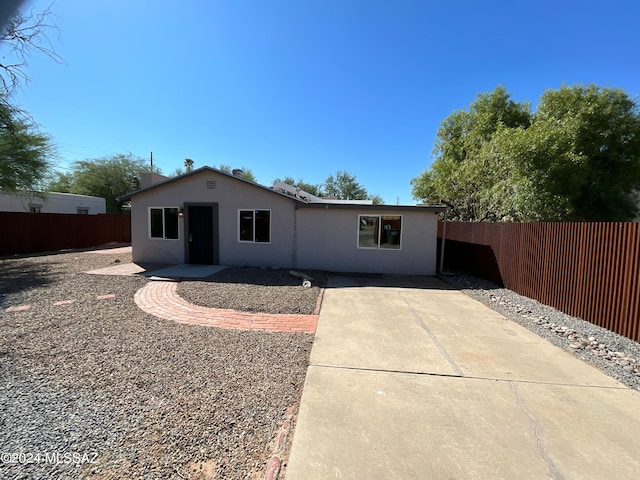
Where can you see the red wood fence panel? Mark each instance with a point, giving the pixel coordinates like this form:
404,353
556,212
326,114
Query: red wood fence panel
43,232
588,270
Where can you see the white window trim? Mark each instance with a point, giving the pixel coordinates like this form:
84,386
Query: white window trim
253,242
378,247
163,232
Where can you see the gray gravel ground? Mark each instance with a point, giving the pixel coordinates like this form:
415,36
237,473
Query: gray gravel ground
98,389
613,354
255,290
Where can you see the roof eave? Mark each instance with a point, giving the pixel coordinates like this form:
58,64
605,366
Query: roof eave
213,170
350,206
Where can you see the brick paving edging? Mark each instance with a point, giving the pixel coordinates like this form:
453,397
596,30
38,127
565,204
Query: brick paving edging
160,298
278,447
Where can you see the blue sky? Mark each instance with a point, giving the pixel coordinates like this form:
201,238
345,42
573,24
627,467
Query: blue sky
305,88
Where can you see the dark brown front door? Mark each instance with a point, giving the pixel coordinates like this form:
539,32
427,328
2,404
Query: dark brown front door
202,238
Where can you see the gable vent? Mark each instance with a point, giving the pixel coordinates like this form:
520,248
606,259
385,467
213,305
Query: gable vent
211,184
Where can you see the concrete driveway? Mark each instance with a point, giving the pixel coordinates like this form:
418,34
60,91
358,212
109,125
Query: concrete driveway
410,379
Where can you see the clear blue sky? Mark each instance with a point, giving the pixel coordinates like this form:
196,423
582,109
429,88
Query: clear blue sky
307,87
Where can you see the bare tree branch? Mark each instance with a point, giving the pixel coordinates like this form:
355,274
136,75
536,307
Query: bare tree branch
24,36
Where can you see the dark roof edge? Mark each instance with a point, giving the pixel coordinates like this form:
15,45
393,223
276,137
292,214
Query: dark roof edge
351,206
209,169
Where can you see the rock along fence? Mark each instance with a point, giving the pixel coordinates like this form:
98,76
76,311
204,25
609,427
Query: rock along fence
43,232
588,270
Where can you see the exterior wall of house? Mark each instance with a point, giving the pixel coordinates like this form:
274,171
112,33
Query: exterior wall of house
52,202
231,195
148,178
328,240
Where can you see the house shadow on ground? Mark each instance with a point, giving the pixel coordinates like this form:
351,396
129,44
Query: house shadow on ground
264,277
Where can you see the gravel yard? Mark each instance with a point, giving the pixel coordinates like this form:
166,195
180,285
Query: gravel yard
255,290
100,389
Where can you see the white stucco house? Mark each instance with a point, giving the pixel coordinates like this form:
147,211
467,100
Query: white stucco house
211,217
51,202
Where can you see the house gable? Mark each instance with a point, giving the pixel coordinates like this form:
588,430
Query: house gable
231,196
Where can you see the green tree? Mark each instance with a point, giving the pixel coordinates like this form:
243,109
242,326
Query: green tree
60,182
583,152
24,152
466,171
344,186
188,165
247,174
108,177
302,185
376,199
576,158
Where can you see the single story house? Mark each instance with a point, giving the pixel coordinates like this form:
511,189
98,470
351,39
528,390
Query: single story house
52,202
211,217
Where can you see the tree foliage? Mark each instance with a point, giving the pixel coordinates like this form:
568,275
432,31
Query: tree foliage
60,182
576,158
24,36
247,173
24,152
302,185
344,186
376,199
108,177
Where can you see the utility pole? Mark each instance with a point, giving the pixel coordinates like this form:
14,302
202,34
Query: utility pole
152,161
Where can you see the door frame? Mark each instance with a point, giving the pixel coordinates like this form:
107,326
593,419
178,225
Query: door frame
216,236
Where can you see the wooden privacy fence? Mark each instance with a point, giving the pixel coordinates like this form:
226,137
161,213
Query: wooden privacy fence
42,232
588,270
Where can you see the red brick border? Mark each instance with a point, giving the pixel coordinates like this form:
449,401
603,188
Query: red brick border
160,298
278,447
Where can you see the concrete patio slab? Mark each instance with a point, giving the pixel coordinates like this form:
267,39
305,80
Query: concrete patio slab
356,332
159,271
112,251
517,359
485,344
587,432
356,424
185,271
418,382
126,269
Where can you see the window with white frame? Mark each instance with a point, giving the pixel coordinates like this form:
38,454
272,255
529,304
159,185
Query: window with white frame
254,226
163,222
379,231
